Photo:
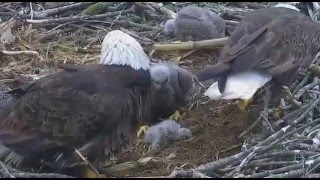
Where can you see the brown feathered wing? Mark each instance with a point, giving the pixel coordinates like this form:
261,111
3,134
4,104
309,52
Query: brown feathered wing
75,106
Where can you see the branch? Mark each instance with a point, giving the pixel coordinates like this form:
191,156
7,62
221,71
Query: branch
212,44
21,52
77,18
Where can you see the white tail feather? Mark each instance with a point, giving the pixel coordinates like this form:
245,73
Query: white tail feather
239,86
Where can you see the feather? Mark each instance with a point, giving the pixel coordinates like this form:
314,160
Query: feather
239,86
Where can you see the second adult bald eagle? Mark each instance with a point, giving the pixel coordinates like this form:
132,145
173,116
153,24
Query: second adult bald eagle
170,86
268,44
95,108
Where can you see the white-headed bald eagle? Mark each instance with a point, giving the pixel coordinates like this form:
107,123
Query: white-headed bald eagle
94,108
269,44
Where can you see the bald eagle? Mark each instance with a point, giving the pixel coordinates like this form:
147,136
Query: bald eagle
94,108
194,23
268,45
170,86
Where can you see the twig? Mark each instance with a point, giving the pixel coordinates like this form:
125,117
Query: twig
5,171
119,168
316,175
54,11
76,18
212,44
304,89
162,9
21,52
285,153
87,162
118,16
298,120
31,11
39,175
231,23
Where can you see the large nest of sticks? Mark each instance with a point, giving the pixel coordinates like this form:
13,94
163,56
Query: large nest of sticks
226,142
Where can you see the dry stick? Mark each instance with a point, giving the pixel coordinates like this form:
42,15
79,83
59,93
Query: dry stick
293,114
279,154
304,89
5,171
212,44
265,164
289,97
54,11
87,162
298,120
118,16
231,23
145,6
264,116
142,26
162,9
291,174
307,76
228,169
284,169
302,83
49,35
278,140
31,11
303,146
21,52
7,80
118,168
261,149
316,175
39,175
194,174
77,18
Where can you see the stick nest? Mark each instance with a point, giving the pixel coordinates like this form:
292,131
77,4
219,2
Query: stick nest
37,36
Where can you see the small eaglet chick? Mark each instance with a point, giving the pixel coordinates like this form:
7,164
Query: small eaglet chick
194,24
165,132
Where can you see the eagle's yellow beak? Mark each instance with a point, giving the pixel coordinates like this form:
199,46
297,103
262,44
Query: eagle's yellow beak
243,104
143,130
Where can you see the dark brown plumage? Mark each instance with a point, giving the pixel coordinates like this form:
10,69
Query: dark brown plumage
194,23
95,108
73,107
276,41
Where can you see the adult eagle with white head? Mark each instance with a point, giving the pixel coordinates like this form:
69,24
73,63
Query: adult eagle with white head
268,45
94,108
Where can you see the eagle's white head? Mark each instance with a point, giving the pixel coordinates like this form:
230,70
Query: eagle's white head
119,48
285,5
160,76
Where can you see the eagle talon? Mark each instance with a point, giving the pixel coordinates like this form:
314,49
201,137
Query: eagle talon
177,116
143,130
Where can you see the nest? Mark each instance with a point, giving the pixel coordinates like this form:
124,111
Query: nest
37,36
